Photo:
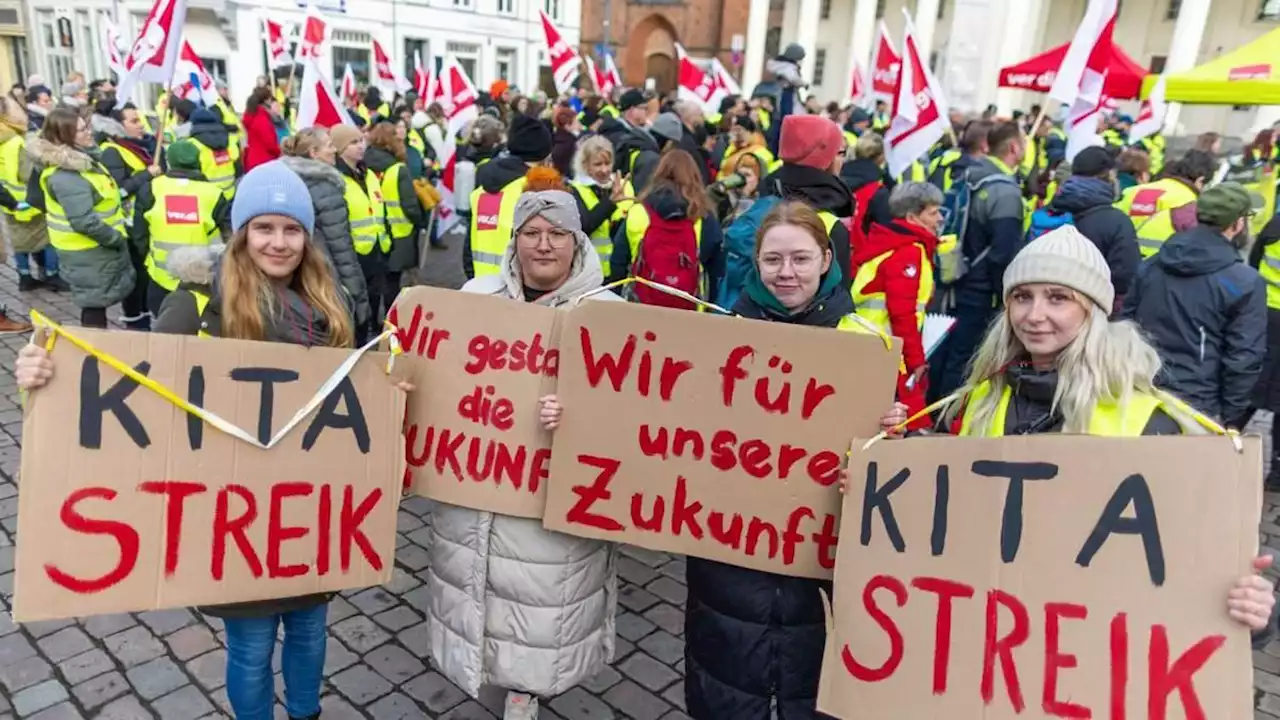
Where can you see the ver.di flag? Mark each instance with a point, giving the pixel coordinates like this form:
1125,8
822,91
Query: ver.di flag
315,31
422,80
602,81
724,82
277,46
858,85
919,109
611,72
694,84
459,103
349,91
886,66
384,72
190,80
155,51
1083,76
1151,115
564,60
111,46
318,105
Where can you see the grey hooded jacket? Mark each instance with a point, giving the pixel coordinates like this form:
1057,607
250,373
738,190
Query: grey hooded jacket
333,228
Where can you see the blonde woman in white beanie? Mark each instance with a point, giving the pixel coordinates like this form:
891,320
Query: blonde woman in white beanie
1052,362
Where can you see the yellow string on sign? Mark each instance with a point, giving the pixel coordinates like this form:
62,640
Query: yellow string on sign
343,370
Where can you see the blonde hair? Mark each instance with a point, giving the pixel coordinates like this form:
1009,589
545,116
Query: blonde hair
248,300
1106,361
304,142
590,149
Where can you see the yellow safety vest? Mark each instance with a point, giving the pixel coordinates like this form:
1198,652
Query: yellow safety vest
766,120
872,306
1108,418
367,214
601,237
850,139
762,154
492,217
397,222
219,167
1146,205
10,167
224,111
608,111
135,165
1154,145
61,235
1269,269
181,217
202,302
914,173
417,143
1114,137
383,110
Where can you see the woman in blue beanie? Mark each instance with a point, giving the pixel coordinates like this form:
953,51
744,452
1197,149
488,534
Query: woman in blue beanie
272,285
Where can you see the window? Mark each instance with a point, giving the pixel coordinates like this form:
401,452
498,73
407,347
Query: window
351,47
506,64
772,42
552,7
942,8
507,7
1269,10
1157,64
21,63
87,47
58,60
465,4
216,67
468,57
880,9
819,65
825,10
414,46
1174,9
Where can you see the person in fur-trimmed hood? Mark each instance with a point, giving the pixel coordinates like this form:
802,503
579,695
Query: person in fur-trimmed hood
195,267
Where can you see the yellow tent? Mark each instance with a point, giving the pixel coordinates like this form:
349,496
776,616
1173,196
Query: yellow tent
1248,75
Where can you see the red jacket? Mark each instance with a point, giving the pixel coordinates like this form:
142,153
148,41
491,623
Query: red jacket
263,145
898,277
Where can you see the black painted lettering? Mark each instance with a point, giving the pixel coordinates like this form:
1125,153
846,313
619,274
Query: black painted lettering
94,404
268,377
195,396
941,499
328,416
877,499
1133,491
1017,473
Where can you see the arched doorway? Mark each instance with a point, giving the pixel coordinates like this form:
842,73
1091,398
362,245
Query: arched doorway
651,53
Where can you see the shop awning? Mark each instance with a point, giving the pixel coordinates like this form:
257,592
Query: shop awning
1124,79
1248,75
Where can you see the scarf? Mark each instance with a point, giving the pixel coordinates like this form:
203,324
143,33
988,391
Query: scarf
830,303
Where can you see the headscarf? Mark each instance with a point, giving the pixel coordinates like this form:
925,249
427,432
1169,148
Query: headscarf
559,208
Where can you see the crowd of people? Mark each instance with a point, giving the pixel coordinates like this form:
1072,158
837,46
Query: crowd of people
1088,296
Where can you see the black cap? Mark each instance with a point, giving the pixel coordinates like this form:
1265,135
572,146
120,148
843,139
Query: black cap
631,98
745,123
1093,162
529,139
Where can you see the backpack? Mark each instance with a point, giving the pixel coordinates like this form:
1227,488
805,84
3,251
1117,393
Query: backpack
668,255
739,250
1043,221
951,261
861,205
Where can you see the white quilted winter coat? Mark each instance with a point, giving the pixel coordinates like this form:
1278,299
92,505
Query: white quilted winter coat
511,603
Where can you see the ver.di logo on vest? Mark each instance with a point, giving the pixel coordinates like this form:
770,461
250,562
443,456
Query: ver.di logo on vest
1144,202
182,209
488,207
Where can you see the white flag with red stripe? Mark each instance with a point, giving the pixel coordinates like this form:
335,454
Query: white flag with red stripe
1083,75
564,59
111,46
318,105
155,52
422,80
919,108
857,85
277,46
602,81
1151,115
190,80
460,109
315,33
611,72
695,85
348,89
886,66
723,80
385,75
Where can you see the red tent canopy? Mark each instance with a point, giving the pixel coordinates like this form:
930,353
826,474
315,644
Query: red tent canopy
1124,81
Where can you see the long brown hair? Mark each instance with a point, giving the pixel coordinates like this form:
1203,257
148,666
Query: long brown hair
248,300
679,171
794,212
383,135
61,126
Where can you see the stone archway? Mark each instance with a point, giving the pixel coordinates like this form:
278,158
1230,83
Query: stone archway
651,52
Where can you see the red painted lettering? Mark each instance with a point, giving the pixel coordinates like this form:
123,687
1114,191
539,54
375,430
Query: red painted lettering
1119,637
792,536
947,591
814,394
886,623
1055,659
349,531
581,513
324,515
177,493
224,526
732,371
826,540
1165,678
653,523
684,512
730,536
278,533
1000,650
125,536
616,368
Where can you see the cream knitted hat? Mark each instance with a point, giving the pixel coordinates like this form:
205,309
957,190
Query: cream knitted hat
1063,257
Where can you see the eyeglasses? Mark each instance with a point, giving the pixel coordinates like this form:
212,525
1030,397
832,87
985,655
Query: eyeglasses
557,238
801,262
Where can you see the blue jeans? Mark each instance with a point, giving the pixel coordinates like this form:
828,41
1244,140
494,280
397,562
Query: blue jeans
250,643
49,256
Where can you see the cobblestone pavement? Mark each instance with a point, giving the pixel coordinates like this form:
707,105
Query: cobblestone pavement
169,664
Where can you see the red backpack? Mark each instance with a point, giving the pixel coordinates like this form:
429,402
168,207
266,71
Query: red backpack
668,254
861,203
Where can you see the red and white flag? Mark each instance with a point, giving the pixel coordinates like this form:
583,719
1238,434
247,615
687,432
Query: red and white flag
602,81
611,72
385,75
858,84
1151,115
315,32
1083,74
724,81
190,80
564,59
318,105
422,79
111,46
154,53
459,101
694,84
919,109
348,89
886,66
277,46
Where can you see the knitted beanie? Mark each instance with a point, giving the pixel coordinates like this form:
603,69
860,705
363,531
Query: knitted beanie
272,189
342,136
810,140
529,139
1063,257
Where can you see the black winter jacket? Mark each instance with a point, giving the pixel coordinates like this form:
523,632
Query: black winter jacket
626,139
107,129
995,225
750,636
823,192
1089,200
1206,312
856,174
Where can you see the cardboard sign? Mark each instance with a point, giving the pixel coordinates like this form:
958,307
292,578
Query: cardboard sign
711,436
128,503
1044,576
472,434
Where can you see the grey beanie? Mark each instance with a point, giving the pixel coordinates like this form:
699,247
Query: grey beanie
794,52
668,125
1063,257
